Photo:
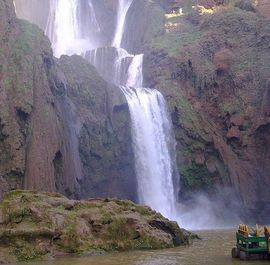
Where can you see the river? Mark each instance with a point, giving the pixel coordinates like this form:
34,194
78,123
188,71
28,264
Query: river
213,249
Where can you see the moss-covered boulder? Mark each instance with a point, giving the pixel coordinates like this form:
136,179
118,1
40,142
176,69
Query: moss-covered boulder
43,225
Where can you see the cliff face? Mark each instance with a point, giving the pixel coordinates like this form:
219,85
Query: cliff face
62,127
104,131
145,20
213,67
48,121
26,109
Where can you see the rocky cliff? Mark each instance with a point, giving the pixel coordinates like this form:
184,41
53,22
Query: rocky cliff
62,127
212,64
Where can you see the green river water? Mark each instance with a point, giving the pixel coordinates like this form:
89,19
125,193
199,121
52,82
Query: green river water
213,249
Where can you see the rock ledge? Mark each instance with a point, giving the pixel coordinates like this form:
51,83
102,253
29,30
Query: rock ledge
37,225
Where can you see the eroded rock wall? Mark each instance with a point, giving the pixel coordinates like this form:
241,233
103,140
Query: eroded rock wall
104,132
211,63
32,125
213,70
145,20
62,127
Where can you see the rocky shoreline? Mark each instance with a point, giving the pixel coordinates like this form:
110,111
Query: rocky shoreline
36,225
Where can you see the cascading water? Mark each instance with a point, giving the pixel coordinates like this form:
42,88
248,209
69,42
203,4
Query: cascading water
135,72
123,7
112,63
65,27
151,127
151,133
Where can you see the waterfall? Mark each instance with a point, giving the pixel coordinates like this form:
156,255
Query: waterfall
65,27
150,123
151,131
112,63
123,7
135,72
152,137
121,66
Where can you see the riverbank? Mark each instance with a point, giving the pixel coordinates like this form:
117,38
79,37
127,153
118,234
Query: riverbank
38,226
214,248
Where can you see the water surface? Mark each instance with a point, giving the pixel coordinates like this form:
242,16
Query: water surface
213,249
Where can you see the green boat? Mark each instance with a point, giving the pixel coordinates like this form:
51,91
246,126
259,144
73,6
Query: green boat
252,245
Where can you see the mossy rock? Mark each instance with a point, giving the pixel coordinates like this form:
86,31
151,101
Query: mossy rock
69,226
196,177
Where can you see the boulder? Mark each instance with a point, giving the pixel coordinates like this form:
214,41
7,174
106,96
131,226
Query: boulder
90,226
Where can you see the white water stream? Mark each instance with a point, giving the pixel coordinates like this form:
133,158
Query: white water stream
151,135
65,29
123,7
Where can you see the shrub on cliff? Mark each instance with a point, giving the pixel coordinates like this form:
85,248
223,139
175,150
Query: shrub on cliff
194,17
246,5
223,60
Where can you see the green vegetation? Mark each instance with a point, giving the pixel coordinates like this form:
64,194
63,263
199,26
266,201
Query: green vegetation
71,239
118,230
28,37
189,117
21,63
196,177
106,217
179,35
27,253
143,210
149,242
19,213
231,107
22,51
